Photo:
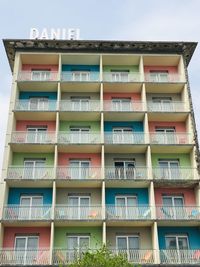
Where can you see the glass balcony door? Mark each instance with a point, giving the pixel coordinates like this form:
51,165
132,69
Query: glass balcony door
126,246
34,169
40,75
126,206
166,135
121,104
173,207
169,169
159,76
28,207
80,135
163,103
77,245
123,135
79,169
124,169
79,207
119,76
80,104
26,249
81,76
36,134
38,103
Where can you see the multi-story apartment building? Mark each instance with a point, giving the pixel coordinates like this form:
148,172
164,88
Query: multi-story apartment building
101,148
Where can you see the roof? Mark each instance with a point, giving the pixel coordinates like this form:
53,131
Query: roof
94,46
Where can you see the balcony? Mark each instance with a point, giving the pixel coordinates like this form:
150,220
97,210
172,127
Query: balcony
124,138
88,213
116,213
173,106
162,138
180,173
180,256
27,105
81,173
10,256
82,76
79,138
178,213
29,137
66,256
26,213
122,77
136,106
120,173
38,76
30,173
163,77
88,106
138,256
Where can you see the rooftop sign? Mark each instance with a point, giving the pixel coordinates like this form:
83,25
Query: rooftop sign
55,34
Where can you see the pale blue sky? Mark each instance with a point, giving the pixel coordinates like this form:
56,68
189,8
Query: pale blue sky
172,20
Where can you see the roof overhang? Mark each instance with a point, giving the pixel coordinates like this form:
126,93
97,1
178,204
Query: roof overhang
80,46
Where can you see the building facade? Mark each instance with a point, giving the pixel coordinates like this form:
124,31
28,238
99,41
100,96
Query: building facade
101,148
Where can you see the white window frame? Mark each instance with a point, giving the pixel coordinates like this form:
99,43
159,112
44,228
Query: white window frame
117,75
34,167
177,236
121,104
83,75
79,170
80,103
41,103
127,243
44,75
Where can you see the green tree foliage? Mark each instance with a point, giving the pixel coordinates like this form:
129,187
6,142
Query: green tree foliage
102,258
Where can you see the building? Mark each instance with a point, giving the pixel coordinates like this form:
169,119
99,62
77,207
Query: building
101,149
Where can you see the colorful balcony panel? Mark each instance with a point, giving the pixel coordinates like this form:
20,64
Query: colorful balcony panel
114,73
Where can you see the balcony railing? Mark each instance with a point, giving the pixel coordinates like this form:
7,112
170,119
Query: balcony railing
114,212
170,138
27,105
9,256
122,77
63,212
180,173
124,138
38,76
71,76
123,107
163,77
26,213
180,256
173,106
79,173
91,105
66,256
30,173
140,256
128,173
178,213
33,137
79,138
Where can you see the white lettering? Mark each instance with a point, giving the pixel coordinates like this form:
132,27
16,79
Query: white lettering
34,33
56,34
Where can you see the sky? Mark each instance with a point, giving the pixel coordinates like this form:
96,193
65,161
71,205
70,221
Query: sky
135,20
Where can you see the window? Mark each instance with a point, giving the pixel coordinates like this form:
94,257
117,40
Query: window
38,103
123,135
34,168
126,206
121,104
80,103
77,244
163,103
79,134
79,169
169,168
176,242
28,207
124,169
120,75
80,75
40,75
173,207
126,244
159,76
26,249
36,134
